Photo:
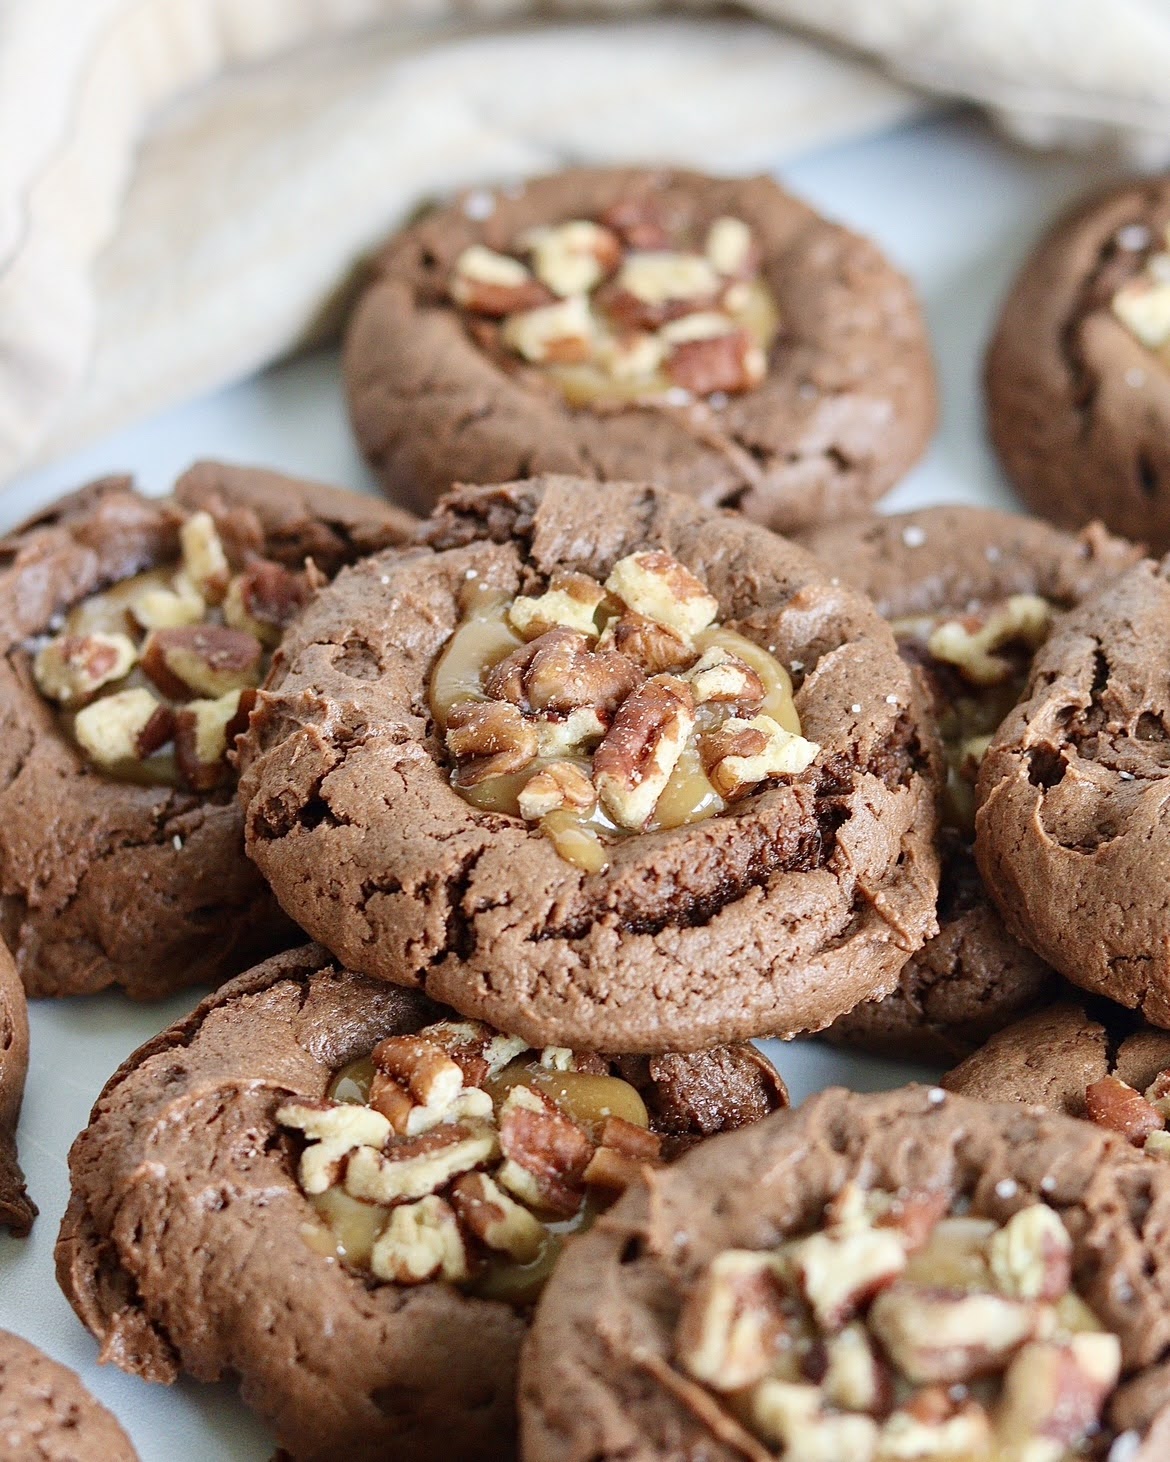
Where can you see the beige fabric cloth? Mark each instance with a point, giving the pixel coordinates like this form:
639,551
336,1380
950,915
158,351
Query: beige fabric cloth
185,184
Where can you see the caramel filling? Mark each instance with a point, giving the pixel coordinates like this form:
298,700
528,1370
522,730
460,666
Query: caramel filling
458,1154
623,311
151,677
599,711
904,1327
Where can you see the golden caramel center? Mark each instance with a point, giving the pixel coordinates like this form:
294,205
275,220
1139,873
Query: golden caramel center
595,711
460,1154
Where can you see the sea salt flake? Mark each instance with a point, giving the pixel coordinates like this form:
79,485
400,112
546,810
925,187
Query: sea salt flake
913,536
1133,236
1135,377
479,204
1006,1188
177,843
856,708
936,1096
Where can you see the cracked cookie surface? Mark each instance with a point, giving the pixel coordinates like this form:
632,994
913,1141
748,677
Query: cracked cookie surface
105,881
47,1415
617,1367
1070,833
845,406
973,977
773,917
192,1244
1076,379
17,1210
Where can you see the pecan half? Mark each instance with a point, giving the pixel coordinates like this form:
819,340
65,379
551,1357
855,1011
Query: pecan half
546,1153
1113,1103
654,646
488,739
633,764
557,672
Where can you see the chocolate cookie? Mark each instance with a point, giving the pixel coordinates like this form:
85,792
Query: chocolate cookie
713,335
1071,835
47,1415
131,628
17,1210
909,1274
601,767
1078,393
1058,1056
969,568
327,1186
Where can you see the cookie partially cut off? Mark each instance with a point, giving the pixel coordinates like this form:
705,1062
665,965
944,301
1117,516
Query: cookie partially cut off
1078,395
834,1278
1071,831
845,406
1051,1058
104,880
17,1210
47,1415
773,917
190,1245
973,977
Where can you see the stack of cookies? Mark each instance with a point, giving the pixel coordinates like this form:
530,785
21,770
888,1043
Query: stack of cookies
504,831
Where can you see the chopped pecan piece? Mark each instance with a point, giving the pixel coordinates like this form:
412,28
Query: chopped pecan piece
791,1415
840,1272
854,1378
558,673
497,1220
494,284
731,362
201,739
1057,1391
546,1153
1113,1103
1143,307
658,285
731,249
653,645
264,599
740,754
204,561
948,1335
732,1323
1031,1255
422,1067
421,1241
127,726
655,584
489,739
560,784
73,668
972,646
419,1166
720,676
932,1425
334,1129
571,601
573,257
157,607
556,334
201,660
633,764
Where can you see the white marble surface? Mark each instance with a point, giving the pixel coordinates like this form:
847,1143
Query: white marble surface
952,205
